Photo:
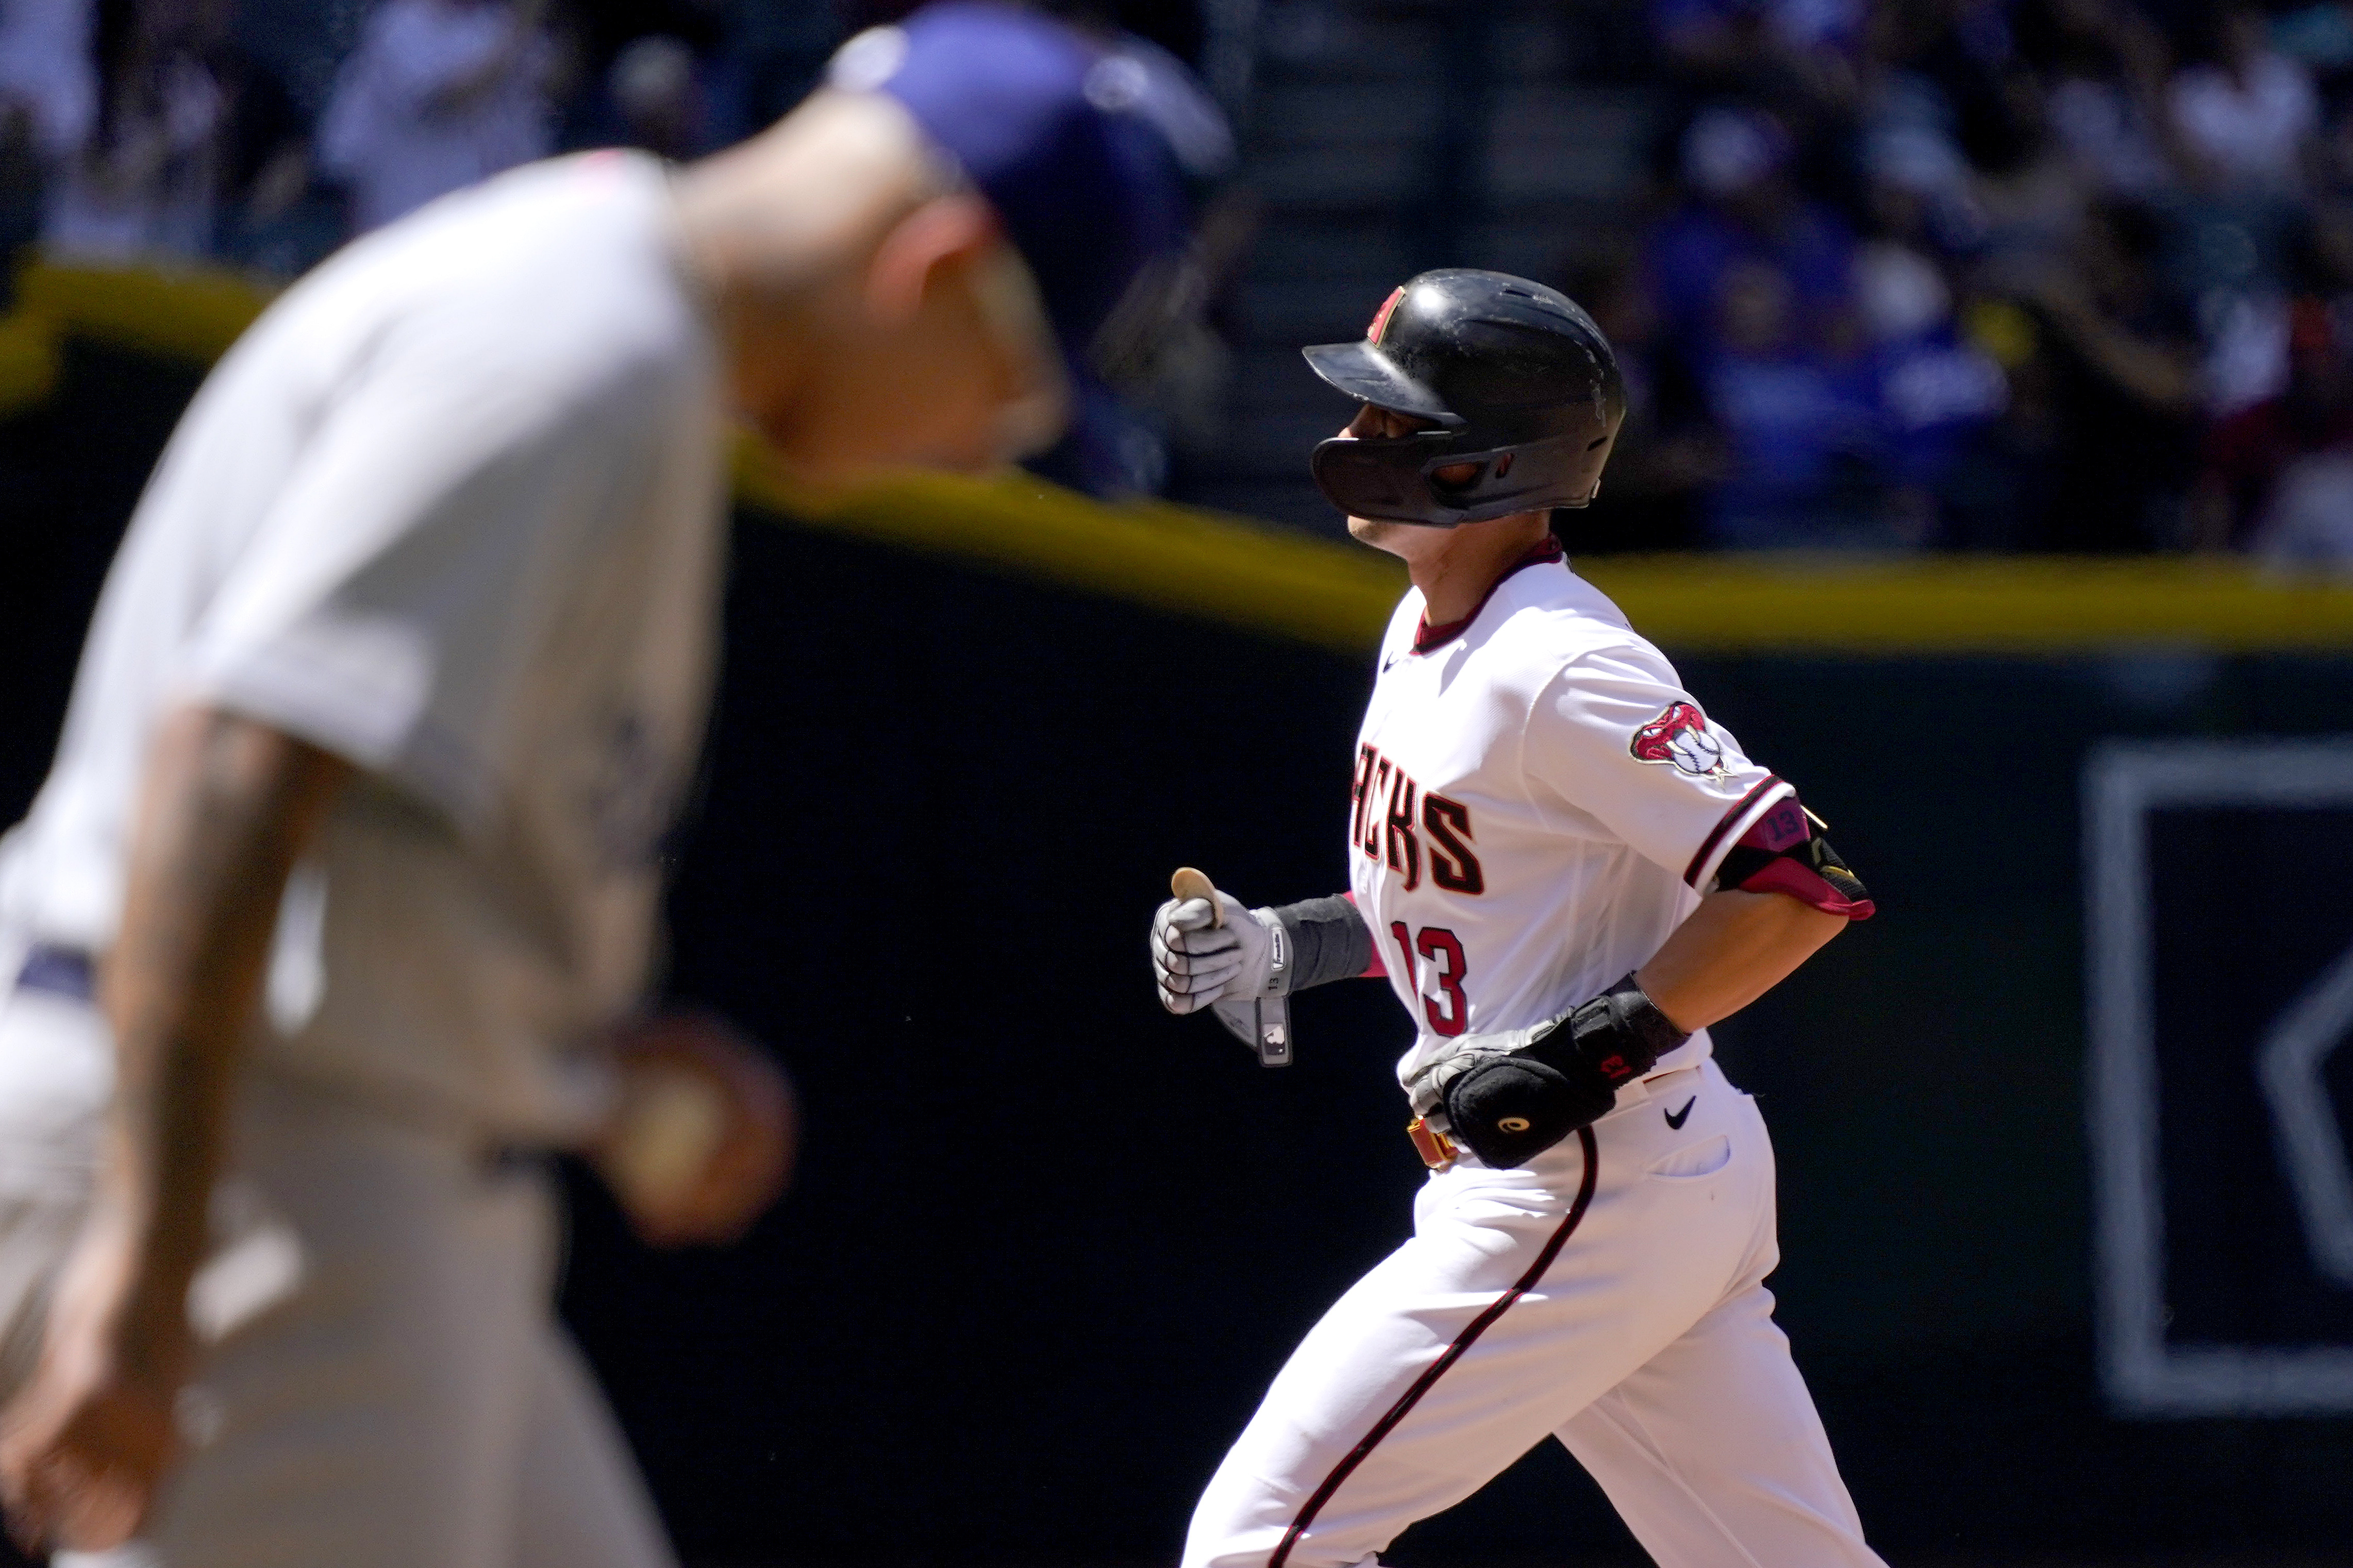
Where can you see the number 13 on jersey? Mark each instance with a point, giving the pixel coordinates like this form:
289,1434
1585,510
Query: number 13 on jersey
1447,1008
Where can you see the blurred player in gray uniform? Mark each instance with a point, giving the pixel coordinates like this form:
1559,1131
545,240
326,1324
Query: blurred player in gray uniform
344,882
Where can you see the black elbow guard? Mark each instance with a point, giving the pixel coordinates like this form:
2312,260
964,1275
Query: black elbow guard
1509,1107
1784,852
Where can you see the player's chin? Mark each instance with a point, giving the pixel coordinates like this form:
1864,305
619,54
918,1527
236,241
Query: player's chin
1378,531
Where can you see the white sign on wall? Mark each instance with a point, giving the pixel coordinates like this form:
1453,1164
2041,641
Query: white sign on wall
2219,881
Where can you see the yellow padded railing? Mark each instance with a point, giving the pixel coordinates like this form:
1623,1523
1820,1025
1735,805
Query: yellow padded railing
1339,596
1336,595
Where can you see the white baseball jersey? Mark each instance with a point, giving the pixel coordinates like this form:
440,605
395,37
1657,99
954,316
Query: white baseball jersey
1538,804
453,509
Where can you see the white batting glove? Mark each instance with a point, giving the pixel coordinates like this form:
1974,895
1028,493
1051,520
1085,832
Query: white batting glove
1196,963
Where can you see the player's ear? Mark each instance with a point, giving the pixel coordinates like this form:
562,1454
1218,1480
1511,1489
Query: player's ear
940,237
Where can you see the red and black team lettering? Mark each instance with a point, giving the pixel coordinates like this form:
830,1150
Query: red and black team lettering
1392,812
1452,865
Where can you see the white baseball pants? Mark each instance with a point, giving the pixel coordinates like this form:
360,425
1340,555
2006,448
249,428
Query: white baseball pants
1610,1294
386,1385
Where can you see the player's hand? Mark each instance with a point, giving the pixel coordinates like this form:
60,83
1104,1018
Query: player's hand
1196,962
702,1137
85,1444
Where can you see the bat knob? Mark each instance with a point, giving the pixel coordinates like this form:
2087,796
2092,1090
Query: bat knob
1188,883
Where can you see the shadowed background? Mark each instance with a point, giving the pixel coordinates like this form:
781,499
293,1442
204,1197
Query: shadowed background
1048,1244
1886,288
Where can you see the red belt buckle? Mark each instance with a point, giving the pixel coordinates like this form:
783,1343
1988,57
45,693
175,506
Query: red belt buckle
1436,1148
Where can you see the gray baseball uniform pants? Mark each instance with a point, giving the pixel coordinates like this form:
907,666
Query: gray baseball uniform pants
385,1384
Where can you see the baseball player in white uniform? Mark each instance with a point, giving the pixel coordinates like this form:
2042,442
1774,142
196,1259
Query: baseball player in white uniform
1566,870
343,885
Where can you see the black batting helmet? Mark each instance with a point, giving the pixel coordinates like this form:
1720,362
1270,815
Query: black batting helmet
1519,380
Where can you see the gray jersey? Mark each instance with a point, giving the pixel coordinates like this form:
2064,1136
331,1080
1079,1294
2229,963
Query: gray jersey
453,509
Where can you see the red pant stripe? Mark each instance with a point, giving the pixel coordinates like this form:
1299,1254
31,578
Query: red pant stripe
1437,1369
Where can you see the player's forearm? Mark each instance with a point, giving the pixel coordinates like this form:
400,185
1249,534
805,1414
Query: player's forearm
1736,947
228,806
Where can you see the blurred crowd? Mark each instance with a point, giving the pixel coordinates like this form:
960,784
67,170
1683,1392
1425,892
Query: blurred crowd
1963,274
264,133
1994,273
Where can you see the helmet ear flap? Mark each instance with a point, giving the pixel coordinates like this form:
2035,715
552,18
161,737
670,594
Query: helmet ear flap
1487,471
1455,489
1387,478
1405,479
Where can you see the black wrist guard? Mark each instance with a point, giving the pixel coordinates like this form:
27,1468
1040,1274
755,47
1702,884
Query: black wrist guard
1329,940
1620,1034
1515,1105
